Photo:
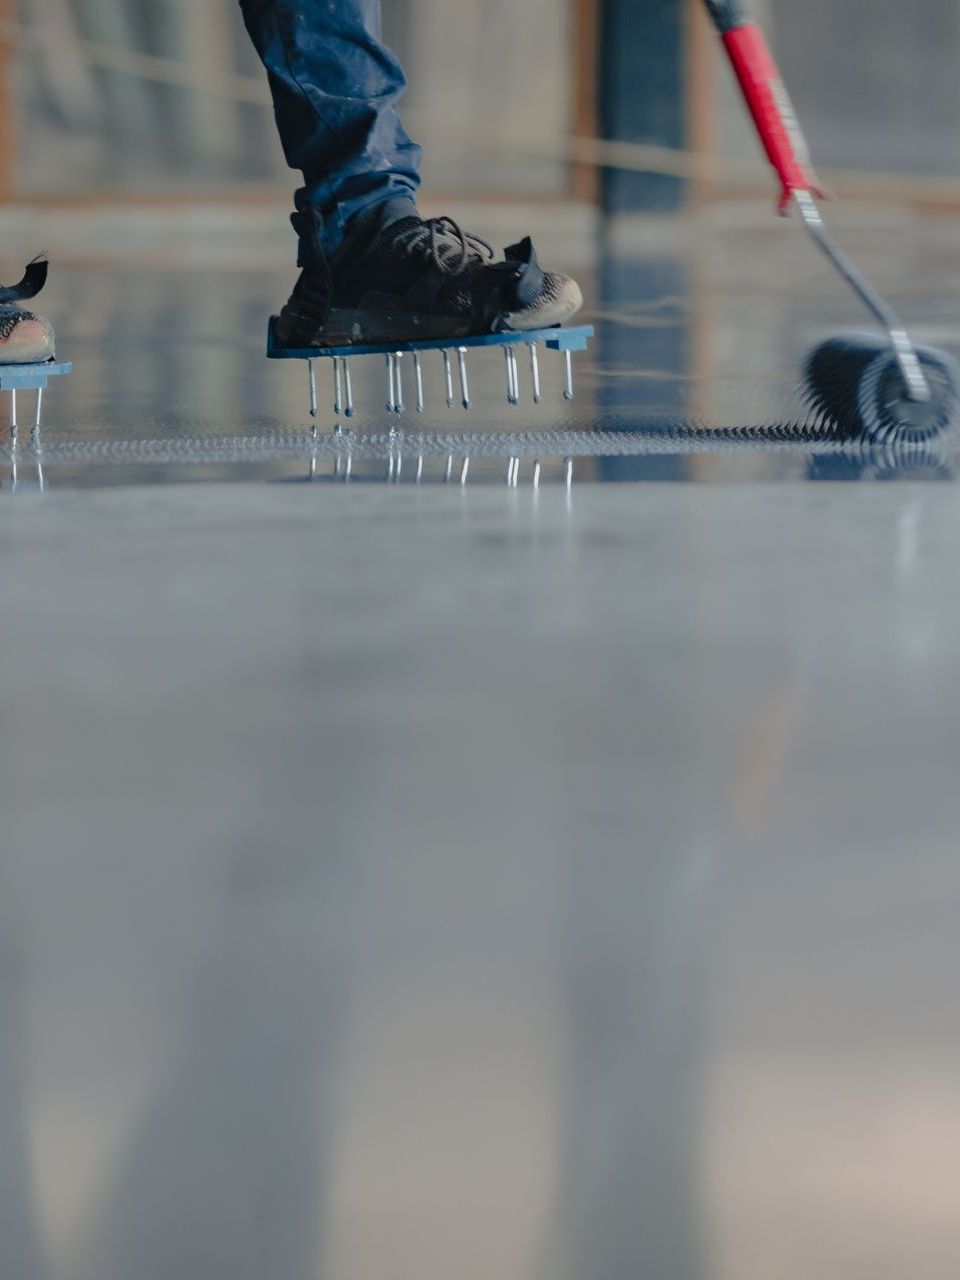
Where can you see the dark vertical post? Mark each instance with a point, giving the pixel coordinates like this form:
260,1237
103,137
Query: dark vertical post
642,96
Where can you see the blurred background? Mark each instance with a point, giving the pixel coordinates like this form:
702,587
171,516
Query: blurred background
106,99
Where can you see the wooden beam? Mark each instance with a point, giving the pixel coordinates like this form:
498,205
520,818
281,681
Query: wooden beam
585,178
701,99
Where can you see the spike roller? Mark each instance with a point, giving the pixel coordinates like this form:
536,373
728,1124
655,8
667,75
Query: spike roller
879,388
453,357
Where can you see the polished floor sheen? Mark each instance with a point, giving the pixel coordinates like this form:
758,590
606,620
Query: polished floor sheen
476,877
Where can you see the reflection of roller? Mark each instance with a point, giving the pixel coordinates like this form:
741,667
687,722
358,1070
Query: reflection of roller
886,389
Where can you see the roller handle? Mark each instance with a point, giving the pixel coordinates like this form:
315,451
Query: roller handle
766,98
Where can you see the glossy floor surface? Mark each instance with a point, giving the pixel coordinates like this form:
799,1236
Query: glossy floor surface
469,879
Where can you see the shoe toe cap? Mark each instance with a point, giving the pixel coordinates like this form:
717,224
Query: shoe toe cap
25,337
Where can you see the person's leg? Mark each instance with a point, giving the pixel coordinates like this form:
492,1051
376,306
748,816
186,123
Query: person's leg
335,88
373,270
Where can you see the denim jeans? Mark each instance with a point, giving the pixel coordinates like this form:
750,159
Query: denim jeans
335,89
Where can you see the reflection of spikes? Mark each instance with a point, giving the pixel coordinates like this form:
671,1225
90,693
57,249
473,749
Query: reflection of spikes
312,367
348,469
418,375
348,379
535,371
567,376
448,376
337,386
337,464
464,385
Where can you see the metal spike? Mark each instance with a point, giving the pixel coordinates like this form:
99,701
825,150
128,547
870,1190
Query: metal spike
464,469
312,368
348,380
14,429
464,386
348,469
338,387
448,376
398,467
391,382
448,470
418,374
398,366
536,475
419,467
568,471
510,399
38,413
515,373
535,371
568,375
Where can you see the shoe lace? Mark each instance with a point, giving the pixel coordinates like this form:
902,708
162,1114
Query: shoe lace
442,236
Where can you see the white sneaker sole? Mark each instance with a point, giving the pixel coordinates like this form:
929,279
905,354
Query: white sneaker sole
561,300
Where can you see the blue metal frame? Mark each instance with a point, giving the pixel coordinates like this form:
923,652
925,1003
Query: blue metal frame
31,377
557,339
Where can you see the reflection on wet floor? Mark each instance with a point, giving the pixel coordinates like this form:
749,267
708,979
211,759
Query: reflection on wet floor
474,886
693,375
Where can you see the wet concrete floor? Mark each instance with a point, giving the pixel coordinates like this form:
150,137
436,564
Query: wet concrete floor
472,880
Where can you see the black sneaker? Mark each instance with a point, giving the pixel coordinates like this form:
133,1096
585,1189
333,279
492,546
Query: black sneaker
419,279
24,337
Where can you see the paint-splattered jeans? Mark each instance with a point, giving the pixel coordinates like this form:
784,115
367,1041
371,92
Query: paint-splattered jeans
335,88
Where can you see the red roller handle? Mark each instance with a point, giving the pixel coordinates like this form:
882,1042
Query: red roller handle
772,111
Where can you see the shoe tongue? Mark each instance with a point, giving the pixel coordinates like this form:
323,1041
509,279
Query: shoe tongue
393,229
448,244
